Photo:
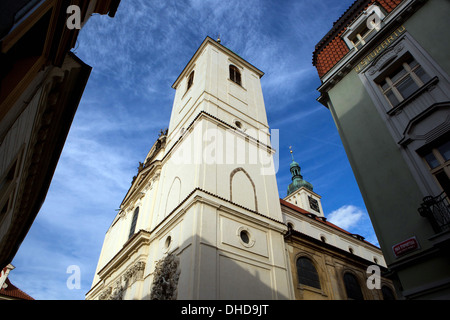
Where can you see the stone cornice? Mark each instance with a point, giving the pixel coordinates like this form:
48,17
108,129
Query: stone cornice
138,240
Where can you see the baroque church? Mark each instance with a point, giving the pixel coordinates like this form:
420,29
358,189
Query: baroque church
203,218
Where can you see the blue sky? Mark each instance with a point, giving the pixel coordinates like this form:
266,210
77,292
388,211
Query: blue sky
136,57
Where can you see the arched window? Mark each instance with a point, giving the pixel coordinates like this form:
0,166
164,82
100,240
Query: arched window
190,80
133,222
352,287
388,294
307,273
235,74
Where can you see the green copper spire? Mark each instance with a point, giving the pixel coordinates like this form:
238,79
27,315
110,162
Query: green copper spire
297,178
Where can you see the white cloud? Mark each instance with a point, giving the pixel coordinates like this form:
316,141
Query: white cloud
346,217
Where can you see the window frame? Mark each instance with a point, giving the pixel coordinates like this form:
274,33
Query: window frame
306,281
443,165
236,75
133,222
190,80
347,285
390,59
361,39
360,24
410,72
387,292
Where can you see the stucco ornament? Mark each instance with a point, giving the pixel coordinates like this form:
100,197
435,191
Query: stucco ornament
117,291
133,274
165,280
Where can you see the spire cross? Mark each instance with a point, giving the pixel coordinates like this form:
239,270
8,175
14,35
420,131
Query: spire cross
292,154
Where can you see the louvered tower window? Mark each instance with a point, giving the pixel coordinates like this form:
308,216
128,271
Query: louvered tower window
133,222
235,74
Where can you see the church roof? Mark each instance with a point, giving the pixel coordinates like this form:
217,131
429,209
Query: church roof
332,48
11,291
322,220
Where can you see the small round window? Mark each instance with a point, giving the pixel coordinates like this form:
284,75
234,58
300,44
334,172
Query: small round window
245,237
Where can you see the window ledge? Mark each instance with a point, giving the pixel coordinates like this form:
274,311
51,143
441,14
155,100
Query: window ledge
398,108
312,289
239,85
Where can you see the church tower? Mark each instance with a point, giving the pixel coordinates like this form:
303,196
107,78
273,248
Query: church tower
300,192
202,219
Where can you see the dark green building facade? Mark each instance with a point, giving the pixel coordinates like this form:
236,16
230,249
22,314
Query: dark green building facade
384,67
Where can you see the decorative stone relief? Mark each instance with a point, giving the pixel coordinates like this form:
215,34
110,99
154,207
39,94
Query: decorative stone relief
133,274
165,278
105,294
117,291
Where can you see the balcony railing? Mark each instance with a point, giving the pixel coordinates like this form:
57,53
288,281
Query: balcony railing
437,211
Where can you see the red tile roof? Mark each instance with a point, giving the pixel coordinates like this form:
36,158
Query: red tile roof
332,48
13,292
315,217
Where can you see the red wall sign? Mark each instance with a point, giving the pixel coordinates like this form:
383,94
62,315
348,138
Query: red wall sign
406,246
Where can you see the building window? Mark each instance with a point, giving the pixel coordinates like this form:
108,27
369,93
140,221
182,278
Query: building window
133,222
360,31
168,242
307,273
362,36
235,74
352,287
438,160
245,237
401,81
387,293
190,80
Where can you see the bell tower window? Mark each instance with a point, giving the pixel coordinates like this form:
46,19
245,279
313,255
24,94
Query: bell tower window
235,74
190,80
133,222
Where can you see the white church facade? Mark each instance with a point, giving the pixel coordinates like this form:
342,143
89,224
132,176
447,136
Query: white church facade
203,218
